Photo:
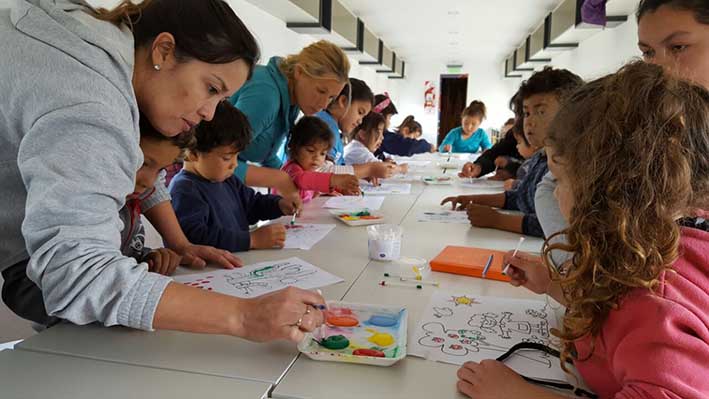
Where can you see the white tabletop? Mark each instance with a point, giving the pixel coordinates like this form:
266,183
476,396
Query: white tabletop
411,377
344,253
40,375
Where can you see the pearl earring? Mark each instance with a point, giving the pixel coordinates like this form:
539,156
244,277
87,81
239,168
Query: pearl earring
157,67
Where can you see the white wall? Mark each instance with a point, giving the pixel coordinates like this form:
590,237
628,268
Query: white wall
602,53
275,39
484,83
598,55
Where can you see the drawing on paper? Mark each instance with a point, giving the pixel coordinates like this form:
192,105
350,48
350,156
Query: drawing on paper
464,341
456,328
264,278
463,300
503,325
261,278
355,202
386,188
305,236
443,217
442,312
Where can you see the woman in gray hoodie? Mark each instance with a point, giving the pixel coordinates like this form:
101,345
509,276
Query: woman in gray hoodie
73,81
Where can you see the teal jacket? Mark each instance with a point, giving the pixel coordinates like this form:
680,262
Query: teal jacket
265,100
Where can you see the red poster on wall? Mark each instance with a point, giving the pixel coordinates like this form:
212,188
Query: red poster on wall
429,96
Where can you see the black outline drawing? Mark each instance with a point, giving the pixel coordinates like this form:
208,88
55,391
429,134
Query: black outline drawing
462,342
503,325
442,312
268,278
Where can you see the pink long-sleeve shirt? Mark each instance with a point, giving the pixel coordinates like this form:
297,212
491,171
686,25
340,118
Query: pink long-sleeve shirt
657,345
310,183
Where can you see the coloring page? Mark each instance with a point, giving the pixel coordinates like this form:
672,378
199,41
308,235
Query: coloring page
385,188
444,217
355,202
482,183
305,236
460,328
261,278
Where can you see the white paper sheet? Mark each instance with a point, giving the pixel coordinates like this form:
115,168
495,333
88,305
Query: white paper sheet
261,278
385,188
371,202
482,183
305,236
460,328
443,217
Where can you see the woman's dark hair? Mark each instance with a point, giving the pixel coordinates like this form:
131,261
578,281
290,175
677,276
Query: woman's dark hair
229,126
510,121
182,141
699,7
411,124
205,30
308,131
369,125
388,109
360,91
475,109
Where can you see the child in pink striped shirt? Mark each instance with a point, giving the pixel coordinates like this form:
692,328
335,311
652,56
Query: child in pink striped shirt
309,143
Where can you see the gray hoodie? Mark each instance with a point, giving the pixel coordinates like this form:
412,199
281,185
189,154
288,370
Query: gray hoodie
69,150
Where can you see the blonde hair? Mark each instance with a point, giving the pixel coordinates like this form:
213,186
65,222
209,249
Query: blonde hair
318,60
635,148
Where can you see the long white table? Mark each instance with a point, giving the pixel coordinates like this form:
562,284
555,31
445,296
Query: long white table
26,374
344,253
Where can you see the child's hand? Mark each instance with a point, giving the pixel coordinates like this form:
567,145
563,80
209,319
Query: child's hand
197,257
491,379
482,215
163,261
501,162
528,271
471,170
346,184
268,237
509,184
373,180
383,170
447,148
460,202
290,204
403,168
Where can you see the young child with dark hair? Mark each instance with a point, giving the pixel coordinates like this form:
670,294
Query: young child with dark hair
366,140
542,95
406,141
468,137
512,166
212,205
310,141
158,152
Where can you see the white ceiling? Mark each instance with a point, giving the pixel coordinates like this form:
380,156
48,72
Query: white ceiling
449,31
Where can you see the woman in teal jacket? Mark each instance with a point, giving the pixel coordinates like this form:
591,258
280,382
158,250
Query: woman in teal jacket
273,98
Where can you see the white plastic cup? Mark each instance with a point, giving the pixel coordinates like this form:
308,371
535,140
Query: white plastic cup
384,242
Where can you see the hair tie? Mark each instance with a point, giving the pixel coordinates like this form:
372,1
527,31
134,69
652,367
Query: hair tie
382,105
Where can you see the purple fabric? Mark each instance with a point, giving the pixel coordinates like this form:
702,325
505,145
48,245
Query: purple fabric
594,12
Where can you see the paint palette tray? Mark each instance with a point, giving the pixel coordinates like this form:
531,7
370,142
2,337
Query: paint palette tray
359,333
359,217
438,180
